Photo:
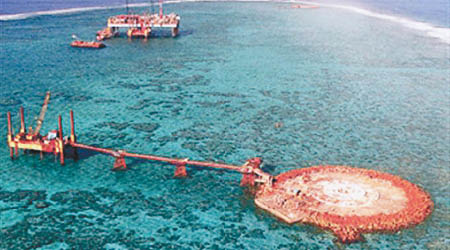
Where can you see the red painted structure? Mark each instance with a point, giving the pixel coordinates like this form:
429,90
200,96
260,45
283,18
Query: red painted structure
84,44
33,140
347,201
140,25
54,143
250,170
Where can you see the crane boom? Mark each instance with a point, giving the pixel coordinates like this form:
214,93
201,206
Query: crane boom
40,119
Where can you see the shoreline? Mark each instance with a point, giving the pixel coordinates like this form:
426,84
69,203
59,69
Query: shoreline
429,29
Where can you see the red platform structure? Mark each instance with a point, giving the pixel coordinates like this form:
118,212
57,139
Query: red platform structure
84,44
32,140
140,25
347,201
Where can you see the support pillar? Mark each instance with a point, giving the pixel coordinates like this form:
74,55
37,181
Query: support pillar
120,164
248,177
61,141
73,138
10,136
130,32
22,122
160,8
180,169
174,32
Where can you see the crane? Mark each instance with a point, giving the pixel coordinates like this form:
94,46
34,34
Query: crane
41,117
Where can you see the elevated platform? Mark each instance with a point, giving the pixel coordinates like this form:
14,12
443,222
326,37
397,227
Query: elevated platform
139,25
144,21
348,201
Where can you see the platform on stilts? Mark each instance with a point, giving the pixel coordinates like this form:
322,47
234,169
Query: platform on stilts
345,200
140,25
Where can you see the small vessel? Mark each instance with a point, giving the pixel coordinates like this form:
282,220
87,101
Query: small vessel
106,33
134,32
84,44
304,6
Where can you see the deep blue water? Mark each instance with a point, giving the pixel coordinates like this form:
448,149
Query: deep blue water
350,89
25,6
433,11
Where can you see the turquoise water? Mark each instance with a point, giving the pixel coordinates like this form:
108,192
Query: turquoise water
433,11
349,89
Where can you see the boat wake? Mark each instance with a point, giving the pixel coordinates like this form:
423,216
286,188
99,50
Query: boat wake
428,29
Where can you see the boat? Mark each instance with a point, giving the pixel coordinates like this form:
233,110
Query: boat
84,44
144,32
106,33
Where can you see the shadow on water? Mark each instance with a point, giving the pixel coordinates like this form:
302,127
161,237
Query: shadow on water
168,33
268,168
135,162
185,33
83,154
159,34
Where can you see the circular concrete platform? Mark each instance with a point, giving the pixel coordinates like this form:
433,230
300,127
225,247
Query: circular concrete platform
348,201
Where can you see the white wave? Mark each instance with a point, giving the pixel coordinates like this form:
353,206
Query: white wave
64,11
20,16
428,29
49,12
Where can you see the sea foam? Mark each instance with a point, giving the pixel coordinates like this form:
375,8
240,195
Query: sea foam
20,16
428,29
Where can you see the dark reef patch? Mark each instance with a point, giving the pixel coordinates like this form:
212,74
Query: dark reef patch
21,195
82,220
76,199
105,101
8,101
212,104
42,204
195,80
102,139
134,86
203,139
87,220
114,125
145,127
79,98
222,94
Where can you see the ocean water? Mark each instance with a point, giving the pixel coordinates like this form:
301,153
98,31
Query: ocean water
432,11
349,89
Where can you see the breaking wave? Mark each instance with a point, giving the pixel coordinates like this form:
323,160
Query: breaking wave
20,16
428,29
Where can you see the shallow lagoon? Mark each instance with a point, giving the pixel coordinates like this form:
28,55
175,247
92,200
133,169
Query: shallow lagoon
349,89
